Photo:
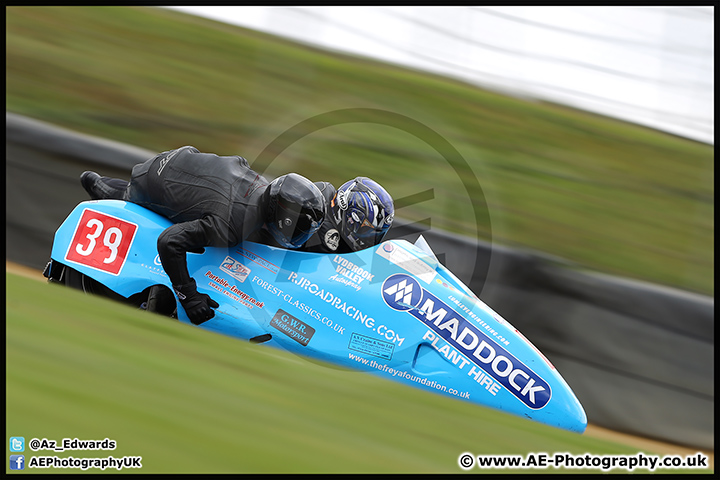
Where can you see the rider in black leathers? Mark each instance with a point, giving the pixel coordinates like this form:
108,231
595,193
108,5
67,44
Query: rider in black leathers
220,201
213,201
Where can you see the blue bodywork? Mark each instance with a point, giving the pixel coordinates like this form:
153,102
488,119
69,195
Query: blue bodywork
392,310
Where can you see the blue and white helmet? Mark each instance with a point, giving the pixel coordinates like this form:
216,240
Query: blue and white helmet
363,211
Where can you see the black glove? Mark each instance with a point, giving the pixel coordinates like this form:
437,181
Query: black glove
196,305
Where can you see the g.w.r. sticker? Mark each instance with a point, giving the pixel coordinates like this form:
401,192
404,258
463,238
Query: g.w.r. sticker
101,242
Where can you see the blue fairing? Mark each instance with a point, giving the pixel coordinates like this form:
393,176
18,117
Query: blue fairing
392,310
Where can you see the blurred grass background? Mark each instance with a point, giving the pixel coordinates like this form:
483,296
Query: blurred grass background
191,401
607,195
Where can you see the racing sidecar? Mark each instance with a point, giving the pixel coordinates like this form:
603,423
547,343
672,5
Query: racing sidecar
392,310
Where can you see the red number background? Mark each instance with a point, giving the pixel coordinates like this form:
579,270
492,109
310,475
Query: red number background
101,251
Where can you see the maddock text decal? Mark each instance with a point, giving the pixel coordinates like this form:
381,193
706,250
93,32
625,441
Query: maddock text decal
402,292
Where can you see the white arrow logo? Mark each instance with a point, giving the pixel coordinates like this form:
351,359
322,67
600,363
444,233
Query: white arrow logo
402,292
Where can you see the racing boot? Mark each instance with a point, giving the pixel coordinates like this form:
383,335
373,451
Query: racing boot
103,187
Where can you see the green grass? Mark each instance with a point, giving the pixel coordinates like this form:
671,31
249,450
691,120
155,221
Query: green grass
608,195
189,401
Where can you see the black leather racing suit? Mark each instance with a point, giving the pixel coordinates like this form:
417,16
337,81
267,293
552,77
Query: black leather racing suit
327,239
212,200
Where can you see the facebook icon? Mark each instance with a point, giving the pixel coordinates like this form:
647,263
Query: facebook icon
17,462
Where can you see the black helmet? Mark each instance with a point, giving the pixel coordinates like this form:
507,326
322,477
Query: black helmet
363,211
296,209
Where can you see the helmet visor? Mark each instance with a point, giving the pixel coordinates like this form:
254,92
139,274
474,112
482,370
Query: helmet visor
360,230
293,226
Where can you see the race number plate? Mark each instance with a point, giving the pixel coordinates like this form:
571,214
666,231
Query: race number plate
101,242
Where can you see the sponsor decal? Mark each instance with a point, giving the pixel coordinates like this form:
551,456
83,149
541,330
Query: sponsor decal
488,328
404,293
294,328
348,309
332,239
407,261
349,274
259,260
302,306
456,358
354,272
404,374
340,279
231,291
341,197
371,346
235,269
219,280
156,267
445,284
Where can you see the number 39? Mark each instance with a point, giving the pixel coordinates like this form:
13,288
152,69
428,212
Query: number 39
111,240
